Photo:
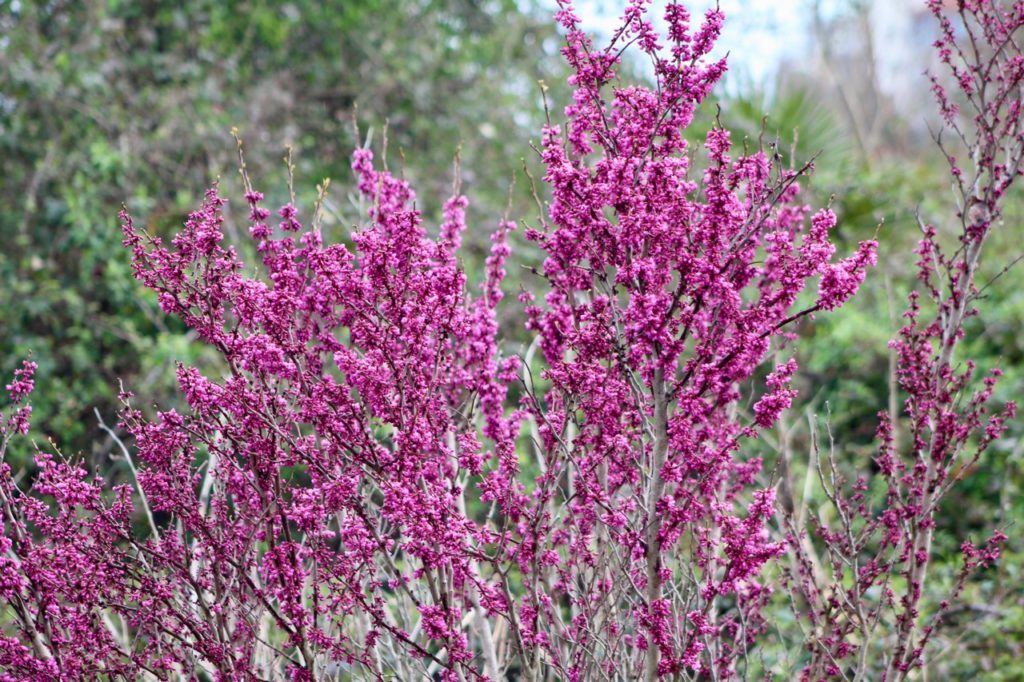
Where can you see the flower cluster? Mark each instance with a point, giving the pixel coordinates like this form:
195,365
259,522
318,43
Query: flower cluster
669,274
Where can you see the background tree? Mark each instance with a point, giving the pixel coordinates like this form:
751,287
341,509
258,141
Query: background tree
127,102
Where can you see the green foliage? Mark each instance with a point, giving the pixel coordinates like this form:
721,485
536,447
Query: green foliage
105,103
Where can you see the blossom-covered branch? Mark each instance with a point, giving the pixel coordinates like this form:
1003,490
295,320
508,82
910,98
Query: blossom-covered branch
866,611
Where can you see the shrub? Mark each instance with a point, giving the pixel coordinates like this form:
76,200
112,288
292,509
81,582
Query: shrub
357,495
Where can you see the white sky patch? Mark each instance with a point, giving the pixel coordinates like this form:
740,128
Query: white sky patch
758,34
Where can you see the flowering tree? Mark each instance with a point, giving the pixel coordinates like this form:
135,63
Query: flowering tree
354,496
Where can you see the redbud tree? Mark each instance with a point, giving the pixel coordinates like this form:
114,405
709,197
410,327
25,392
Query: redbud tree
355,494
862,598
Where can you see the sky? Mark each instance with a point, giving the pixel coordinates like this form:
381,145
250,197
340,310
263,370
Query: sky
758,34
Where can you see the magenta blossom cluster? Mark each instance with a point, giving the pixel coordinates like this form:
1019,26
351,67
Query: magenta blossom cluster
670,275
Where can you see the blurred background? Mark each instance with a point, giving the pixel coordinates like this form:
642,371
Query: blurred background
111,102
